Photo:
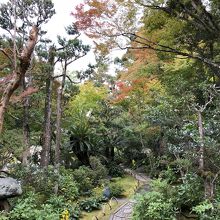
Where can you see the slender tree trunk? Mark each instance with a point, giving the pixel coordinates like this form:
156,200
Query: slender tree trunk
45,153
24,64
201,136
26,128
60,91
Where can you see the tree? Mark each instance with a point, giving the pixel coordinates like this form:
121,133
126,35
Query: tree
70,51
46,139
79,112
195,34
16,17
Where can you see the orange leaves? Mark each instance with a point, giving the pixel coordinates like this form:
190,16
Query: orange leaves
135,89
94,15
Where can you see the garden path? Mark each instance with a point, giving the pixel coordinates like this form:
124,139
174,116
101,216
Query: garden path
124,212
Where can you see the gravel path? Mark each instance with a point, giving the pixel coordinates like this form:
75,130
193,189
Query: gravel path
125,211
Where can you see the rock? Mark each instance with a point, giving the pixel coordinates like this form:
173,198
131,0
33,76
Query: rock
9,187
107,192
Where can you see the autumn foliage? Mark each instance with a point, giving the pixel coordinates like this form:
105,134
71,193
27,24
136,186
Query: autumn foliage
93,15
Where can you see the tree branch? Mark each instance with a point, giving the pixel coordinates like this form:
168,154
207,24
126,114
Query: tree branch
5,53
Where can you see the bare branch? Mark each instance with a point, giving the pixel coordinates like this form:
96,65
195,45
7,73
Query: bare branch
66,77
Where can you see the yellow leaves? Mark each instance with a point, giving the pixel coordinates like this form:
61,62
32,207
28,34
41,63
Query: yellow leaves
87,99
65,215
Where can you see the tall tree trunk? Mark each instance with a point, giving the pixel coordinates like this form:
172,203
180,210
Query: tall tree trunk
24,58
45,153
201,136
60,91
26,128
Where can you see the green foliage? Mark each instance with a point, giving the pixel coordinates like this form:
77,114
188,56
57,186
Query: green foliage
84,178
41,180
153,205
168,175
99,171
115,170
29,209
11,146
116,190
90,204
88,99
207,210
190,192
68,187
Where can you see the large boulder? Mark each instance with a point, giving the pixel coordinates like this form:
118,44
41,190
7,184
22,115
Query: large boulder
9,187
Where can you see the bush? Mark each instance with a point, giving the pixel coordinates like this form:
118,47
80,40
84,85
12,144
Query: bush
154,206
207,210
116,190
39,180
115,170
27,209
157,204
68,187
84,178
99,170
190,193
168,175
90,204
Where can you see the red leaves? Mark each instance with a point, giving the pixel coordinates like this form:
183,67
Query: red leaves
93,16
133,89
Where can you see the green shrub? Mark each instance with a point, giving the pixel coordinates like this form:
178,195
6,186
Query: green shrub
158,204
116,190
25,208
90,204
3,216
47,212
84,178
190,193
68,187
99,170
154,206
39,180
115,170
60,204
29,208
168,175
207,210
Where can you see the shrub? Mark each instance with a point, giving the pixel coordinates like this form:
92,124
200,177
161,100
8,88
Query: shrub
99,170
25,208
154,206
116,190
68,187
168,175
90,204
84,179
40,180
115,170
207,210
190,193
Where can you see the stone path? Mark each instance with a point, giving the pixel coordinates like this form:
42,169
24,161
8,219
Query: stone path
124,212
